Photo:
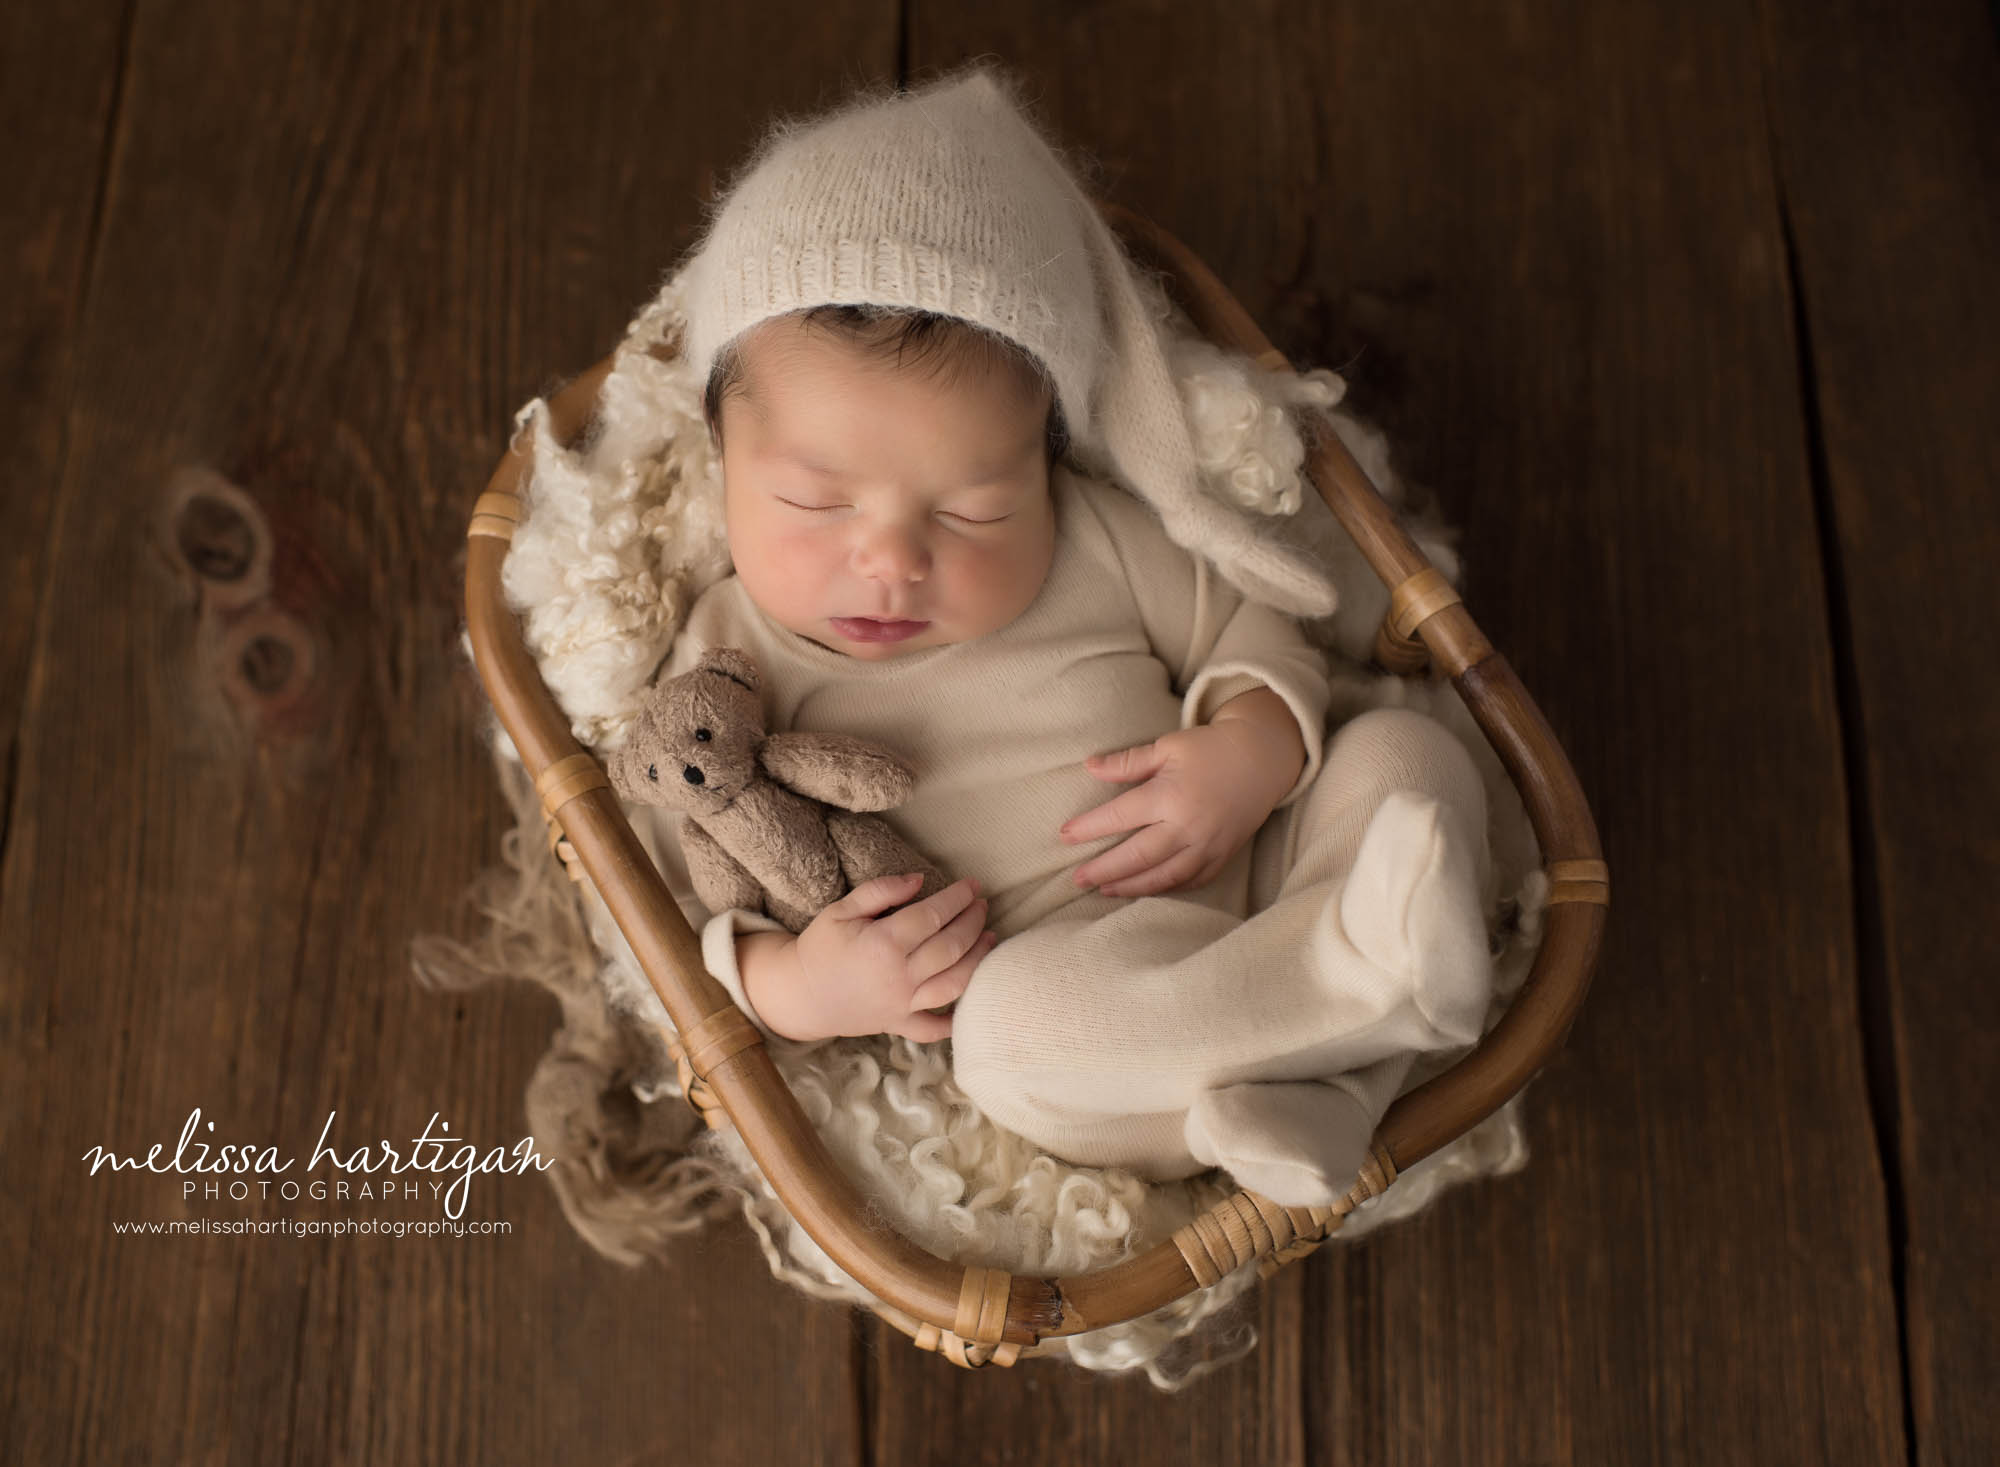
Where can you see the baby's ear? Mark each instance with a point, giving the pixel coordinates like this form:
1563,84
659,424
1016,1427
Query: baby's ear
730,663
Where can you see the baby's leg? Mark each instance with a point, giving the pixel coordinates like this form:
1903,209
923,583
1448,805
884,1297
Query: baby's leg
1165,1035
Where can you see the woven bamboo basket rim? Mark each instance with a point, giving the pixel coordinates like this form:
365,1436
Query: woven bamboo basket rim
972,1314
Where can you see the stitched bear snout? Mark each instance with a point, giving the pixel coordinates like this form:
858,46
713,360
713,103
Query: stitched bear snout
692,775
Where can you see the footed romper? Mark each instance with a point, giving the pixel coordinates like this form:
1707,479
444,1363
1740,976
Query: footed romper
1166,1034
1261,1022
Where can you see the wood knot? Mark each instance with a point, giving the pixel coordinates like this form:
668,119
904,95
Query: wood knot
266,660
266,604
220,537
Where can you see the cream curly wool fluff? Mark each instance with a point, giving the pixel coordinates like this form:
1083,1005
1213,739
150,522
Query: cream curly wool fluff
623,531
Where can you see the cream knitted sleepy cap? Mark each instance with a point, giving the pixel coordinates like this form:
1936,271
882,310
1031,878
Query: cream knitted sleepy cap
948,199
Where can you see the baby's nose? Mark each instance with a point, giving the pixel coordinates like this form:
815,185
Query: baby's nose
692,774
893,554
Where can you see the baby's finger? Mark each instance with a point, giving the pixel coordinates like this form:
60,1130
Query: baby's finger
871,898
926,1028
949,945
1122,766
1166,876
1122,812
1129,857
950,984
919,922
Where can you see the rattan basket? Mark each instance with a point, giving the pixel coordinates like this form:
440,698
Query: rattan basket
976,1315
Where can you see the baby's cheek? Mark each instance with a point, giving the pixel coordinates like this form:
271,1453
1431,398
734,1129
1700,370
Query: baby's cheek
791,569
1008,581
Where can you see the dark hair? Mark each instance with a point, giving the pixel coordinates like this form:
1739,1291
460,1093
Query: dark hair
948,348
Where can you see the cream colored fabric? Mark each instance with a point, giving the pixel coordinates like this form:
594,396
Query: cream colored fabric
1164,1035
1129,638
1104,1019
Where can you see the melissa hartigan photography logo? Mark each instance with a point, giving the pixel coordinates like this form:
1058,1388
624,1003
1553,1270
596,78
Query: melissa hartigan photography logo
435,1165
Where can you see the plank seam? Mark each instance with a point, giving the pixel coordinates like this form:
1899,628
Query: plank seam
1881,1079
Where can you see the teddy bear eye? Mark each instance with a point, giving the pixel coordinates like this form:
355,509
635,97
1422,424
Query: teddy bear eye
653,773
702,736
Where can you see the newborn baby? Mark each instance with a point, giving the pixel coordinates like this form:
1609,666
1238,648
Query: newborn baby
1189,929
912,567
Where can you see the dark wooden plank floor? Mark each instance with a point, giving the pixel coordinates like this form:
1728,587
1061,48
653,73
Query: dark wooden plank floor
1891,167
1687,314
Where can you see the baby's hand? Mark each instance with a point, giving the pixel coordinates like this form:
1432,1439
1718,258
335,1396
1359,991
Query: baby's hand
1206,791
869,974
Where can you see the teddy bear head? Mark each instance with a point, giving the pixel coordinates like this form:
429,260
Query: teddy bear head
694,745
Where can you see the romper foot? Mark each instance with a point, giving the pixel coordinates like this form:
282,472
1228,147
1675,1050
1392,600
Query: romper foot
1300,1143
1412,906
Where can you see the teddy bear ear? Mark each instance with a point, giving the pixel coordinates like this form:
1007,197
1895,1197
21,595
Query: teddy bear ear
731,663
615,769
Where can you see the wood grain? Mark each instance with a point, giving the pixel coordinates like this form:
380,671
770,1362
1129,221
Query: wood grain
1568,261
58,106
1887,125
59,97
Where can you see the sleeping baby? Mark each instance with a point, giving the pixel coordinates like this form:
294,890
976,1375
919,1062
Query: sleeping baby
1190,928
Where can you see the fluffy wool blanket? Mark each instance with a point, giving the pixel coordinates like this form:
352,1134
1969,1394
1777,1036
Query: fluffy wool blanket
622,531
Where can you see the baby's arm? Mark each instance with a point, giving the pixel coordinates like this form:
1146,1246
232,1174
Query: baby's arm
1253,714
854,971
823,982
1206,790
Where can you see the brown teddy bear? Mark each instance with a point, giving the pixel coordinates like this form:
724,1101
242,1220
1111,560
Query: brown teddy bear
775,821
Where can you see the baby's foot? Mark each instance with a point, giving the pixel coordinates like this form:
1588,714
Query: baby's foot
1300,1143
1411,906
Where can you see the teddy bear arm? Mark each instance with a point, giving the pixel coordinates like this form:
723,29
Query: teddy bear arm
870,848
719,879
838,770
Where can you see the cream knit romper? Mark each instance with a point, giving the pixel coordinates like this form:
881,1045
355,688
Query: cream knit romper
1262,1022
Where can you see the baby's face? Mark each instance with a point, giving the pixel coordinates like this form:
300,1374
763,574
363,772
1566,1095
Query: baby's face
880,512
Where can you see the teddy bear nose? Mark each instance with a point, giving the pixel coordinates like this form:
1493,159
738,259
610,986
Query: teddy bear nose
692,775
